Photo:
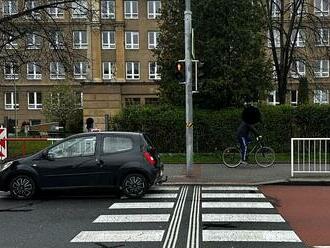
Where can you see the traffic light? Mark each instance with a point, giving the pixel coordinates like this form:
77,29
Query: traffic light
180,71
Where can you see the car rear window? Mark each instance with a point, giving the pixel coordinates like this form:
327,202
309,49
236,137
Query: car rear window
112,144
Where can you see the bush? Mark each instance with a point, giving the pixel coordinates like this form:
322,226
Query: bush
215,130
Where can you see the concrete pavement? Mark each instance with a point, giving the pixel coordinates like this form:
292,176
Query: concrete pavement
242,175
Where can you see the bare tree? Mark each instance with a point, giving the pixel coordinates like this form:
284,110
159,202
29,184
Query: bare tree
295,28
39,31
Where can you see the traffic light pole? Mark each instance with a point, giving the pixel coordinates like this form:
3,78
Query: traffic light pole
188,81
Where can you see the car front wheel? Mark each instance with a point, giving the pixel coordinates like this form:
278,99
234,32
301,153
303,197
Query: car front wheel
134,185
22,187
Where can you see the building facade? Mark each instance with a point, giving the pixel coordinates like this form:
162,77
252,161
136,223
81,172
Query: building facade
115,38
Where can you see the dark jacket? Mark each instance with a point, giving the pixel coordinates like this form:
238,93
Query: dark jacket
245,129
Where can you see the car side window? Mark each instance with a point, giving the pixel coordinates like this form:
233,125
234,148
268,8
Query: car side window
112,144
77,147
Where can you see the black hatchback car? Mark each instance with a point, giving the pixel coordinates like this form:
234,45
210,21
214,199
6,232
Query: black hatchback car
123,160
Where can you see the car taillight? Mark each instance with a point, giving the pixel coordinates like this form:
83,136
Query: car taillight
150,159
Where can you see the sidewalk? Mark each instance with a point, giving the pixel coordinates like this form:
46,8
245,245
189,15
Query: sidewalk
242,175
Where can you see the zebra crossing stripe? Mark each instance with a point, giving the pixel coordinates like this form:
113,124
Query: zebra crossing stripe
232,195
242,218
119,236
162,196
131,205
229,188
132,218
164,188
236,205
250,235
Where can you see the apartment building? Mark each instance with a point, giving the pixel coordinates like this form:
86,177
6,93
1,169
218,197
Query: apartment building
118,69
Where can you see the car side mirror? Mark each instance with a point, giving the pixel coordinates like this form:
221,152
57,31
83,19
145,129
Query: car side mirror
51,156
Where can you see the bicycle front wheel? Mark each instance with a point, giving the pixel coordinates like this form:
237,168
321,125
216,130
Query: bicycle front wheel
231,157
265,156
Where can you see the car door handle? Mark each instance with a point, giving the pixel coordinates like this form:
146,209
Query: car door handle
100,162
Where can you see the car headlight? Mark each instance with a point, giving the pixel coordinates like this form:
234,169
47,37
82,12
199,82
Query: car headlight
7,165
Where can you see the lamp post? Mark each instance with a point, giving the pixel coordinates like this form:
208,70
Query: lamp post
188,84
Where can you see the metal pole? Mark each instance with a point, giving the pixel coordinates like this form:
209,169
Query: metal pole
189,102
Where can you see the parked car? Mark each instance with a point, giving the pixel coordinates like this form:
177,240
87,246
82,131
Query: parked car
123,160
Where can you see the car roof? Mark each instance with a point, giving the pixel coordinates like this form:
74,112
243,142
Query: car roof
108,132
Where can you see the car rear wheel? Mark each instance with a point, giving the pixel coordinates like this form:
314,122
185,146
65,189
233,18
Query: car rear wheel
22,187
134,185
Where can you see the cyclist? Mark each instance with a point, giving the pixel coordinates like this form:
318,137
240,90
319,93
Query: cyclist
243,136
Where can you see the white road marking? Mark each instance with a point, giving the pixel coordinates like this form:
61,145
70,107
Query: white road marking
236,205
229,188
119,236
164,188
242,218
132,218
162,196
130,205
250,235
174,227
232,195
193,229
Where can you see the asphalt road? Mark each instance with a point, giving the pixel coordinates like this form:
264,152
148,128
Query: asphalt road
169,216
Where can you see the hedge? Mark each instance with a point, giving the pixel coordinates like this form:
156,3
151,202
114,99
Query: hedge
215,130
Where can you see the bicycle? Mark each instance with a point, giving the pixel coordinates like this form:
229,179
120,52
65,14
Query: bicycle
264,155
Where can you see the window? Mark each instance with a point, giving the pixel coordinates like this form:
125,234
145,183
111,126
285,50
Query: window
153,38
294,97
154,9
277,38
11,71
35,122
273,98
154,71
108,9
152,101
321,96
80,70
132,40
321,68
114,144
321,7
11,43
108,70
322,37
129,101
79,99
132,70
108,40
34,100
298,69
298,7
131,9
274,72
33,41
29,5
57,10
56,40
300,40
57,70
79,9
10,101
275,6
33,71
80,40
76,147
9,7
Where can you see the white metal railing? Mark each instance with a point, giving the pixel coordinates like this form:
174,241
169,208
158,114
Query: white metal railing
310,156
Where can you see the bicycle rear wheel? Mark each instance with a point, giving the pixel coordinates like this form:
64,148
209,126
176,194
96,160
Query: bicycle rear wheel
231,157
265,156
